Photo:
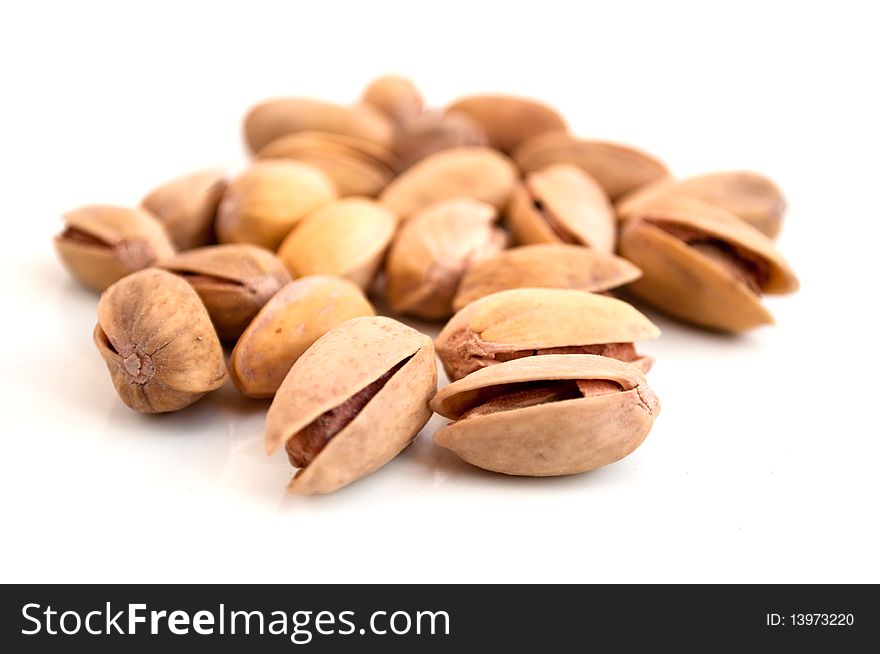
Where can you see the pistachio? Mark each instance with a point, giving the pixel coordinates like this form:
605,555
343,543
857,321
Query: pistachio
274,118
433,131
187,206
472,172
556,265
346,238
431,252
158,342
101,244
509,120
619,169
396,97
561,203
558,414
233,282
287,325
535,321
264,203
704,265
752,197
352,402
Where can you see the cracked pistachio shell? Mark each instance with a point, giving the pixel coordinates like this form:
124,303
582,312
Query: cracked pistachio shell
274,118
340,365
434,131
263,204
555,265
396,97
233,281
556,437
346,238
187,206
101,244
290,144
433,249
471,172
685,283
619,169
158,342
509,120
752,197
528,319
561,203
287,325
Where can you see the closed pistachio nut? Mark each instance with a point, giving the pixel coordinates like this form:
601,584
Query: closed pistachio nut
558,414
509,120
704,265
396,97
187,206
562,203
352,402
263,204
346,238
536,321
101,244
433,131
287,325
158,342
432,251
233,281
554,265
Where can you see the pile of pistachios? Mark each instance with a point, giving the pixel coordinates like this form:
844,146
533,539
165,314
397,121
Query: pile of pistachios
488,217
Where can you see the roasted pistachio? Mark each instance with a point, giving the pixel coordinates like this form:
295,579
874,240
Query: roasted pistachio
433,131
158,342
396,97
187,206
509,120
352,402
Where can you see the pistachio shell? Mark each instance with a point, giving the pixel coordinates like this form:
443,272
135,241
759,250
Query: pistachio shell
396,97
339,366
472,172
561,203
264,203
346,238
233,282
158,342
551,438
287,325
431,252
289,145
102,244
434,131
187,206
619,169
274,118
556,265
509,120
527,320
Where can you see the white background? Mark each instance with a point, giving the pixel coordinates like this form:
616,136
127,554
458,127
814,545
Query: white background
762,466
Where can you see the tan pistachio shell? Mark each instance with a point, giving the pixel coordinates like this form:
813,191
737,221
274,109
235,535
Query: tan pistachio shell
101,244
267,200
509,120
434,131
751,196
233,281
287,325
289,145
473,172
554,265
274,118
158,342
432,251
340,364
535,319
187,206
554,438
396,97
346,238
619,169
562,203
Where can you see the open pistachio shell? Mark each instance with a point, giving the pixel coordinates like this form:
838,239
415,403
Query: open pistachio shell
431,252
101,244
556,265
558,414
289,145
187,206
561,203
434,131
530,321
352,402
619,169
396,97
509,120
